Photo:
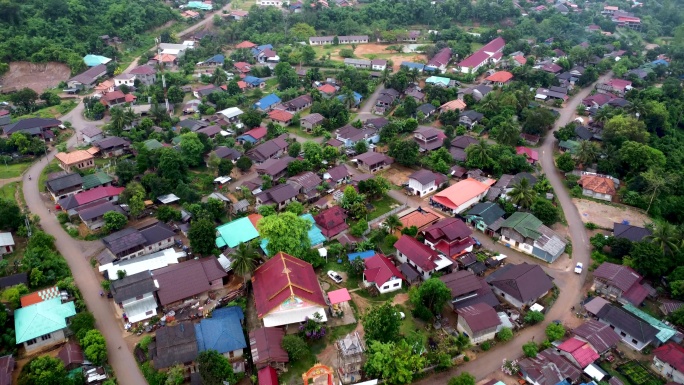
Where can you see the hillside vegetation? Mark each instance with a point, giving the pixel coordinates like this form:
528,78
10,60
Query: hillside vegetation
66,30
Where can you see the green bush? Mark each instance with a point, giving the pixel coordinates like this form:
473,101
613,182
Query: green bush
591,225
145,343
63,217
486,346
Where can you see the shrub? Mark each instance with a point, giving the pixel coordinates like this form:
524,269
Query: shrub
533,317
486,346
145,342
530,349
63,217
591,225
295,346
505,334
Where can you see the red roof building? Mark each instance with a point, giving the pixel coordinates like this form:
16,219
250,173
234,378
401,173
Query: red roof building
257,133
280,116
268,376
332,221
420,256
243,67
327,89
582,353
286,291
265,347
531,155
668,357
500,77
482,56
451,236
381,272
520,59
97,194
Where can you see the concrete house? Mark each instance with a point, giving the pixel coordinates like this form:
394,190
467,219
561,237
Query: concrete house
479,322
275,168
601,337
6,244
64,185
135,294
633,331
449,236
483,56
486,217
619,283
279,196
373,161
270,149
549,367
668,361
467,289
91,134
88,78
332,221
42,324
526,233
125,80
93,215
428,138
358,63
298,104
520,285
112,146
598,186
76,160
381,273
470,118
223,333
310,121
420,257
462,195
265,345
187,280
423,182
351,135
306,183
145,74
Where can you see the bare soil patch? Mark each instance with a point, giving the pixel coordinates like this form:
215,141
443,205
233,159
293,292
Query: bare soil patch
397,174
38,77
604,215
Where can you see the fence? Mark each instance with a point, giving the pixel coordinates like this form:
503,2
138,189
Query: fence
383,216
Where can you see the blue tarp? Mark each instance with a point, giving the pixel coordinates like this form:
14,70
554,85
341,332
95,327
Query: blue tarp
95,60
362,255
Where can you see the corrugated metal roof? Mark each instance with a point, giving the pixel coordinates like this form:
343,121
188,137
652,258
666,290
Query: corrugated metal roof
41,318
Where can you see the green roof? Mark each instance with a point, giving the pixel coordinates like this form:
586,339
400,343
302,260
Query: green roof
664,332
525,223
176,140
42,318
570,145
153,144
233,233
94,180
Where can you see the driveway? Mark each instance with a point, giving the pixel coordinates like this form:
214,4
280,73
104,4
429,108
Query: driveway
365,111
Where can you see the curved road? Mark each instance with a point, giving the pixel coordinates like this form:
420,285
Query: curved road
76,254
570,287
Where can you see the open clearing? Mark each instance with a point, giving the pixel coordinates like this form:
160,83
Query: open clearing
37,76
370,51
604,215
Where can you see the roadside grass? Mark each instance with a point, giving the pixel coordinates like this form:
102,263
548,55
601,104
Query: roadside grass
13,170
53,166
9,190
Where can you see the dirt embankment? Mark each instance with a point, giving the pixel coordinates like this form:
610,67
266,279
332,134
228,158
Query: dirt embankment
37,76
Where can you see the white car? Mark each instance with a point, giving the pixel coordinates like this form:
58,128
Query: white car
334,276
578,268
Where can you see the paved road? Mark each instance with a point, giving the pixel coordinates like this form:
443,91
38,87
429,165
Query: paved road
76,254
365,111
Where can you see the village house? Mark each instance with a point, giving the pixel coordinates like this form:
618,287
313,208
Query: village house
485,55
423,182
63,186
267,103
110,268
601,337
633,331
420,257
135,294
286,291
453,105
43,323
188,280
92,216
265,346
598,186
426,109
112,146
467,289
462,195
499,78
71,356
531,155
615,86
373,162
270,149
280,117
486,217
241,230
450,236
358,63
253,136
620,283
230,153
306,183
470,118
458,146
127,80
524,232
88,78
668,361
232,115
279,196
298,104
6,244
145,74
116,98
72,203
77,160
327,90
579,352
479,322
378,64
428,138
477,92
91,134
440,61
325,40
311,121
212,62
337,175
332,221
630,232
174,345
549,367
223,333
381,273
33,127
520,285
130,243
275,168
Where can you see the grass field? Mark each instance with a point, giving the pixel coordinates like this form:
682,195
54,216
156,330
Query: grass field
382,206
13,170
8,191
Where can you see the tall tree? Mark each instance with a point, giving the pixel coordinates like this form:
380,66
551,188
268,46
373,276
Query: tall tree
394,362
215,369
245,260
587,153
522,194
381,323
666,237
202,236
479,155
285,232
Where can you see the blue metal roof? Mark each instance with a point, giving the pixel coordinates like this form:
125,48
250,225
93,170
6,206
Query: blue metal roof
412,65
660,62
259,49
216,59
357,98
247,138
267,101
362,255
252,80
222,332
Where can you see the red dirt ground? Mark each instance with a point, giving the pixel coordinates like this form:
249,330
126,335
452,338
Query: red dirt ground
38,77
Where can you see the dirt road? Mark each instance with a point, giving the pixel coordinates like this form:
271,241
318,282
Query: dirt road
365,111
76,254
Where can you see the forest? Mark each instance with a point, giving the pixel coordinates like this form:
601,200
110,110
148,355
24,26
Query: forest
66,30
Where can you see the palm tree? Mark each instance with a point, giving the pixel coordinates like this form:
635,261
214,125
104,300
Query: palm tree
543,185
219,77
603,115
392,223
479,154
636,107
348,98
385,75
509,134
666,236
522,194
587,152
118,120
413,74
244,260
158,113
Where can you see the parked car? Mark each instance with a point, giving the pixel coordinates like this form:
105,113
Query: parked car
334,276
578,268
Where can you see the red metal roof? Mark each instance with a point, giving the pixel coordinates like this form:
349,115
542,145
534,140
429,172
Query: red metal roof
528,152
265,346
671,353
380,269
268,376
256,133
97,193
500,77
285,277
420,254
280,115
327,89
581,351
332,221
246,44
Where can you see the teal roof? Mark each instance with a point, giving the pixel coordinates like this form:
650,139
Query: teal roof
438,80
525,223
94,180
664,332
570,145
199,5
233,233
42,318
95,60
176,140
315,235
153,144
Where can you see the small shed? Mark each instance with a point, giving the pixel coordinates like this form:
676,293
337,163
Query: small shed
168,199
6,243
